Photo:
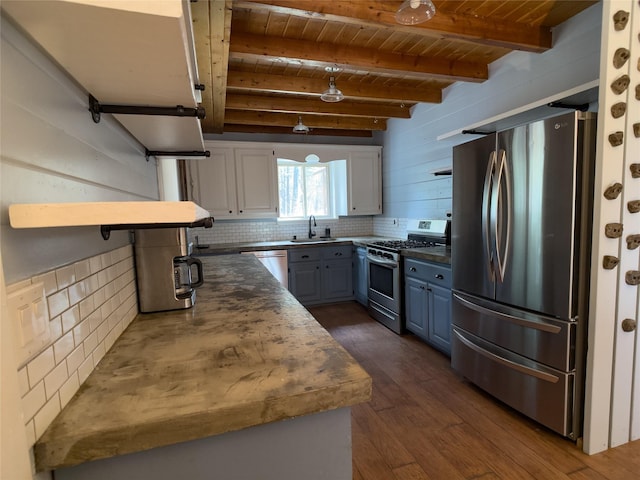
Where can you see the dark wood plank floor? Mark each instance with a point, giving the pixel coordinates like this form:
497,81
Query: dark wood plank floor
426,422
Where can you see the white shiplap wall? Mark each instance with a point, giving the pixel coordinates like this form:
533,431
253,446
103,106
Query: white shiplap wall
51,151
411,149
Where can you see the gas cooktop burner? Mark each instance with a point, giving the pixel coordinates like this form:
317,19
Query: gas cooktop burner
403,244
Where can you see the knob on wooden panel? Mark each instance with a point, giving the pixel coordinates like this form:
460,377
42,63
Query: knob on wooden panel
610,262
613,191
613,230
628,325
632,277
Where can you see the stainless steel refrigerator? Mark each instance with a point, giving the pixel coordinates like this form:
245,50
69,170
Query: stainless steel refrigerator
521,229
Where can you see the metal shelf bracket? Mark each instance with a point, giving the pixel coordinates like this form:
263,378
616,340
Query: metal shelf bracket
96,109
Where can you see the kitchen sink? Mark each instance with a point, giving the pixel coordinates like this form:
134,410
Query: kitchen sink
313,240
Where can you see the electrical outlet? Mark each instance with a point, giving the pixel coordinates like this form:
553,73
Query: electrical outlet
28,312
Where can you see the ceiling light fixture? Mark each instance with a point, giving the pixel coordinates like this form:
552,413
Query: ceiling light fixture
300,127
332,94
412,12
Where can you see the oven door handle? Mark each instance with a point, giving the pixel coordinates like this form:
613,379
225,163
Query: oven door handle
384,263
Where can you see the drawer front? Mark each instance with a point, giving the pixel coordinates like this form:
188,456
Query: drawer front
428,272
304,254
439,275
337,252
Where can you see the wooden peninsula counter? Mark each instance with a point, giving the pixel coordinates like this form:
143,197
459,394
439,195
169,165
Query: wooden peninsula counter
246,384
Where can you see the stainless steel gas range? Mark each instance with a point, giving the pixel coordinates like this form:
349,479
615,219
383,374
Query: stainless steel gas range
384,265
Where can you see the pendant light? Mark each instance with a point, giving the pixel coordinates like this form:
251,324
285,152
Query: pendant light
300,127
332,94
412,12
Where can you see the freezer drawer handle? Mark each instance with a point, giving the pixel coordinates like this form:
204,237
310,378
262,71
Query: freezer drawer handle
508,363
439,276
538,325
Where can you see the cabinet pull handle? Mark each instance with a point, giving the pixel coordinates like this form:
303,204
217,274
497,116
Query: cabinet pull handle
305,256
439,276
412,269
338,254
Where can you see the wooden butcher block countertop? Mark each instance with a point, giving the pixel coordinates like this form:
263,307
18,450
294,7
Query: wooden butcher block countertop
246,354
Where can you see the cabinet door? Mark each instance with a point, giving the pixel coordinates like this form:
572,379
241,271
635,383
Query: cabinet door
416,306
365,183
304,281
212,183
256,174
440,317
360,275
337,280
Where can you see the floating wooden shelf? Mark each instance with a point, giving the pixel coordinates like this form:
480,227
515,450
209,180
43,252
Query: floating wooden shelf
127,53
39,215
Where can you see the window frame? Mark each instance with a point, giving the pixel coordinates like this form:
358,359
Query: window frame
329,192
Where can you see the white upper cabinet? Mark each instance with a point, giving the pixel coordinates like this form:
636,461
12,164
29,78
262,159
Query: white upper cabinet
238,182
137,53
359,181
364,183
256,179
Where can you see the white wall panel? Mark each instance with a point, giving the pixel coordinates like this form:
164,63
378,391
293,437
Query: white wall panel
411,149
51,151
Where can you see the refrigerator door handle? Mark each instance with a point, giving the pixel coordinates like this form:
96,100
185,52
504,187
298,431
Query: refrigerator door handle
487,202
537,324
503,206
508,363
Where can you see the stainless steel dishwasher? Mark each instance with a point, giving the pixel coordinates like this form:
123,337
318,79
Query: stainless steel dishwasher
276,263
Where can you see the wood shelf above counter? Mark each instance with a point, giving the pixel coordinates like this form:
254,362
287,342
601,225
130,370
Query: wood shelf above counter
40,215
126,53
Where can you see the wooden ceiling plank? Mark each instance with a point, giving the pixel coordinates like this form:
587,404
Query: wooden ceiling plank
314,106
220,21
202,39
312,121
281,49
245,81
446,25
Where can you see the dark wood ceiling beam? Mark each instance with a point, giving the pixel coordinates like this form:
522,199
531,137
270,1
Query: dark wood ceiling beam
314,106
212,32
249,81
241,117
244,45
487,31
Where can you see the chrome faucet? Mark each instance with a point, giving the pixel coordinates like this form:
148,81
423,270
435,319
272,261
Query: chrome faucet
311,232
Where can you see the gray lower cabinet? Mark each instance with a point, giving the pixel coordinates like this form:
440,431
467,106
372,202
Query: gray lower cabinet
360,285
427,290
321,274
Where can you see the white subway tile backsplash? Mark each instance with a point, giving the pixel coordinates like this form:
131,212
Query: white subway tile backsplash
65,276
55,327
40,366
54,380
58,302
82,269
81,331
46,415
33,401
90,303
63,347
90,344
70,318
49,281
76,292
95,264
69,389
86,367
75,358
86,307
